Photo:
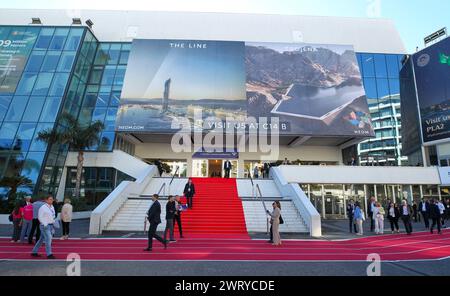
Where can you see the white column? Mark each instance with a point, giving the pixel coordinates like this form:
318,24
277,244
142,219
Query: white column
375,192
345,201
323,202
367,195
421,191
393,194
439,192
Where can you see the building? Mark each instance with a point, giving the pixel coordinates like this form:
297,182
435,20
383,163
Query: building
98,72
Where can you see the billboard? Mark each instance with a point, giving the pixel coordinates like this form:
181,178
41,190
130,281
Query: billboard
15,47
432,76
311,89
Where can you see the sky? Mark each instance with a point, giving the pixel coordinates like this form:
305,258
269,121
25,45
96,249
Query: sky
414,19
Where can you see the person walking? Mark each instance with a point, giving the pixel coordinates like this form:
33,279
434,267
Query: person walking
256,172
435,215
227,168
441,213
370,210
275,222
379,214
359,218
170,215
266,170
177,218
35,225
17,217
406,213
415,211
393,216
424,208
189,192
351,216
46,217
154,218
66,218
27,221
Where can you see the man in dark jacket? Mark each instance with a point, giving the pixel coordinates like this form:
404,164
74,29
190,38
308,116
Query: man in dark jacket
227,167
351,215
424,208
406,213
177,218
435,215
370,209
189,192
170,215
154,218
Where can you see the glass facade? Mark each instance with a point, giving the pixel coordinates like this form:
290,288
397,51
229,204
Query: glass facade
380,74
36,102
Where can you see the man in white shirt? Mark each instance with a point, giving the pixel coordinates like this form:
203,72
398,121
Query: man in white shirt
46,218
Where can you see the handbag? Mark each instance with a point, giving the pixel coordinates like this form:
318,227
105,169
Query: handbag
281,220
10,218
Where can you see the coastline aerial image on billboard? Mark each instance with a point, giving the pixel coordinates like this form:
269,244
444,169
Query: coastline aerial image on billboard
311,89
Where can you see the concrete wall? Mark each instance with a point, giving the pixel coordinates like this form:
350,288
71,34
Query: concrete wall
365,34
305,153
361,175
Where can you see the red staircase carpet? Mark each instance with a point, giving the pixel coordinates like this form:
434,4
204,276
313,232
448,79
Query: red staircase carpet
217,210
419,246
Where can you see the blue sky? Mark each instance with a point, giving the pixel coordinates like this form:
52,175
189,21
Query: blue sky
414,18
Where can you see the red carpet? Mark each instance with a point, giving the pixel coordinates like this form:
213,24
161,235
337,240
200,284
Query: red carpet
420,246
217,209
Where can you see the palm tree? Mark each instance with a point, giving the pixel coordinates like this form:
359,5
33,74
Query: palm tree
78,136
13,183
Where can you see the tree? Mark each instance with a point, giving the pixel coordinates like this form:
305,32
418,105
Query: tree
78,136
13,183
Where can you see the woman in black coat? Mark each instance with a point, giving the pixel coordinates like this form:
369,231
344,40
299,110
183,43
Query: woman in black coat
393,215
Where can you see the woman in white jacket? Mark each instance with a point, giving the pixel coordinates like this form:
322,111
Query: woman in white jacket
66,218
378,216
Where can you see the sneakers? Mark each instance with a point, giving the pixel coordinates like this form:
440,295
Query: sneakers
147,250
172,241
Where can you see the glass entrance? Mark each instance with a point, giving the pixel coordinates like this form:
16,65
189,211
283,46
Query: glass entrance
212,168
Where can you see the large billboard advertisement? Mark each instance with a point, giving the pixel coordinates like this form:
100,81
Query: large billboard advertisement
432,74
310,89
15,47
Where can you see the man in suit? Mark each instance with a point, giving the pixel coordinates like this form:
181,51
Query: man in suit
154,218
435,215
170,215
424,208
406,213
371,208
227,167
189,192
177,218
351,215
266,170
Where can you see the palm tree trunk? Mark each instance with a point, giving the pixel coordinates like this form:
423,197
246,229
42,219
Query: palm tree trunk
79,173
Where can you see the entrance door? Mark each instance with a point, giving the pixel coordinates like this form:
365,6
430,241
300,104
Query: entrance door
215,168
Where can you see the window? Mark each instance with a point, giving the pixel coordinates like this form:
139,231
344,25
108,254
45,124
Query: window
367,61
108,75
106,141
382,88
51,61
44,38
42,84
394,86
59,39
50,109
102,100
392,66
113,55
66,61
74,39
32,166
380,66
4,105
110,120
33,110
35,61
16,108
59,84
124,55
39,145
99,114
7,134
26,84
96,75
120,74
24,136
370,87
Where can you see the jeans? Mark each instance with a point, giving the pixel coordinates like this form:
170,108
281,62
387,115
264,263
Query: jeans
26,229
46,237
16,232
169,227
379,225
34,228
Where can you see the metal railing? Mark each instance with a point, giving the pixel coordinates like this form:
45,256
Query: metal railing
259,195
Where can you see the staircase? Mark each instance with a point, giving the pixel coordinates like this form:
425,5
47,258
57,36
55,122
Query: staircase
217,208
220,206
